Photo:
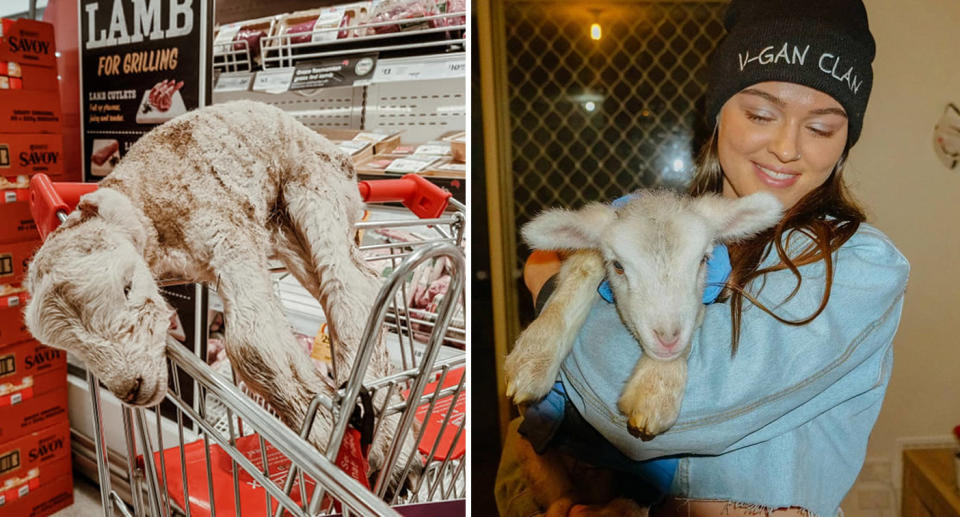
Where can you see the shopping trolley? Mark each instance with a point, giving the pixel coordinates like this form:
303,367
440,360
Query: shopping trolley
249,463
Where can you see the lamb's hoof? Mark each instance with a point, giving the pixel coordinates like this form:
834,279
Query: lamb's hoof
528,389
530,376
639,430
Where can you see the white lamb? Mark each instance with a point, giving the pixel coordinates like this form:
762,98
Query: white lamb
208,197
654,251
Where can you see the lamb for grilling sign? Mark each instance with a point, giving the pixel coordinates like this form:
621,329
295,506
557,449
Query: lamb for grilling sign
143,62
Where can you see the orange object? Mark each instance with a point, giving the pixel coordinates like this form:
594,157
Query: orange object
27,154
46,499
34,460
14,257
33,415
28,42
422,197
47,198
18,225
28,370
12,327
35,78
28,111
219,469
419,195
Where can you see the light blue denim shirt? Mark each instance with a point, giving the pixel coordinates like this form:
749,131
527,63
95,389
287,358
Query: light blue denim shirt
785,421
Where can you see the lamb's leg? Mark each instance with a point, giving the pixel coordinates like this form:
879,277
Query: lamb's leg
322,219
259,342
652,396
330,266
532,366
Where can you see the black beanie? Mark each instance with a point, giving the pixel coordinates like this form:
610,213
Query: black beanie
823,44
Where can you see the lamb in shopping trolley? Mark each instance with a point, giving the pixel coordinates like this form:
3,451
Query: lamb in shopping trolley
208,197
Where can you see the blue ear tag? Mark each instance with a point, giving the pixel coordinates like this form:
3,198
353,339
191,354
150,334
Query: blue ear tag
718,269
605,292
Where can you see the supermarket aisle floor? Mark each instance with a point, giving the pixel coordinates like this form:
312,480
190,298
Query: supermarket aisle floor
86,499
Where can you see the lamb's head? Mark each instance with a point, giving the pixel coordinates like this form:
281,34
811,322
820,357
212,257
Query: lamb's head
92,294
656,247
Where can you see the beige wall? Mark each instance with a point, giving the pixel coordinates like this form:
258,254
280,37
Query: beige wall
915,199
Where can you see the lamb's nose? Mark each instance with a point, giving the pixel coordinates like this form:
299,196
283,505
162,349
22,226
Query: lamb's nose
134,391
668,339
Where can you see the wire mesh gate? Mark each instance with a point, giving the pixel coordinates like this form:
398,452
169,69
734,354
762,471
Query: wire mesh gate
594,119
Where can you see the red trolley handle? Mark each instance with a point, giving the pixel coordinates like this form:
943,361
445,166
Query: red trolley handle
426,200
49,201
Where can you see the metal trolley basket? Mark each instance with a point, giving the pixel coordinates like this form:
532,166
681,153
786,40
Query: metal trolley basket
190,464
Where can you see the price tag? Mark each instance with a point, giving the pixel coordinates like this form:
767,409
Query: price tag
457,68
16,398
370,137
233,82
438,149
227,33
274,81
445,68
352,146
410,164
13,301
9,196
459,167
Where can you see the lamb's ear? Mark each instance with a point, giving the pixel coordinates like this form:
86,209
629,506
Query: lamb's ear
49,315
569,229
116,209
737,219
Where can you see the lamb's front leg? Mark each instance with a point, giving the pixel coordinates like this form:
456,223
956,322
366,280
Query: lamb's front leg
532,366
261,346
652,396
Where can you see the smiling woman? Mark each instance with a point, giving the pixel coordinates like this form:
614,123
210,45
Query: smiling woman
782,137
767,389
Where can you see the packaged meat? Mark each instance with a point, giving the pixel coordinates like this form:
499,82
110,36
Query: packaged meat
313,30
103,153
448,7
399,10
252,37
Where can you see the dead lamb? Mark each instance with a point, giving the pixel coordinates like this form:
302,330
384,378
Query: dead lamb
208,197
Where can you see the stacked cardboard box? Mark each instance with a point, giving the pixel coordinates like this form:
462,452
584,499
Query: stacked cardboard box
35,474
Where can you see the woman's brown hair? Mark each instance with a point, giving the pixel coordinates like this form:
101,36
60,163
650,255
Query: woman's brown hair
827,215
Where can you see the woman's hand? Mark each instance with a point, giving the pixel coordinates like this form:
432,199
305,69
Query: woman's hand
539,267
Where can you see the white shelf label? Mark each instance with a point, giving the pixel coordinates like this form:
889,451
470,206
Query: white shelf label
9,196
460,167
438,149
233,83
370,137
411,164
449,68
13,301
352,146
274,81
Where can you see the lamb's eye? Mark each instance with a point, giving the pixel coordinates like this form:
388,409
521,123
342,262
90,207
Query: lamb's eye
706,258
126,289
618,267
